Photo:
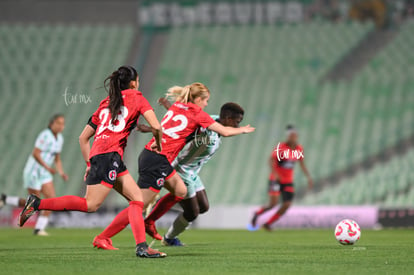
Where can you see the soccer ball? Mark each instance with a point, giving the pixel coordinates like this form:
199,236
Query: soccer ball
347,232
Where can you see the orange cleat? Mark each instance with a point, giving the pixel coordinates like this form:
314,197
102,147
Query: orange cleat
151,230
101,243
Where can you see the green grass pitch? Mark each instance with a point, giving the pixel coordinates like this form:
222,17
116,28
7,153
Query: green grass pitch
69,251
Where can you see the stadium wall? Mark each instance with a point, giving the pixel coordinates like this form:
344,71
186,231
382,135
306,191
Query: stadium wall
70,11
238,217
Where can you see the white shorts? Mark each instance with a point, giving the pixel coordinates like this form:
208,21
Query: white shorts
34,179
193,182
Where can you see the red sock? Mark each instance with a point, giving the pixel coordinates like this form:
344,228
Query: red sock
274,218
137,221
65,203
260,211
162,207
117,225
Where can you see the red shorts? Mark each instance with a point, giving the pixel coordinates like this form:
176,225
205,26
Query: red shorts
286,189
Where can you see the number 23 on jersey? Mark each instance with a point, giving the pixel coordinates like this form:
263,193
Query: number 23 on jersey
106,122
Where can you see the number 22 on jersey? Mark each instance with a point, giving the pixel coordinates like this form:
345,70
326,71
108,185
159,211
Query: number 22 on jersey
106,122
172,132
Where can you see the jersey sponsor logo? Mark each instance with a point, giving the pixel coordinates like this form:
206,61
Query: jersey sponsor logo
202,137
181,106
160,182
287,164
112,175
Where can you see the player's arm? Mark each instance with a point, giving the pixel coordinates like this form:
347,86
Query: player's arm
306,172
272,164
36,155
85,147
164,102
59,167
226,131
156,129
84,137
144,128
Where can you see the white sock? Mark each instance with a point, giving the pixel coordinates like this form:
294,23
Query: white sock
41,222
11,200
178,226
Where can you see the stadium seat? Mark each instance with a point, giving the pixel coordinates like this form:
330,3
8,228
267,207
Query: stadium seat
40,63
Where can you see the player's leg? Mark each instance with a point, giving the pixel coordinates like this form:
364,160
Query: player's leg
196,203
136,205
202,200
32,185
183,220
121,220
191,211
11,200
48,191
288,192
100,180
273,193
95,195
178,190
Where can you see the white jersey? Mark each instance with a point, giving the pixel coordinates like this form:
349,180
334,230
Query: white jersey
198,151
49,146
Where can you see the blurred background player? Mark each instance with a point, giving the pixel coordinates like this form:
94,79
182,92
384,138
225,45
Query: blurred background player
282,162
38,171
198,151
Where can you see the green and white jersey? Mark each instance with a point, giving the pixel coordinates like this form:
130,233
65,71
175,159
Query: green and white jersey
49,146
198,151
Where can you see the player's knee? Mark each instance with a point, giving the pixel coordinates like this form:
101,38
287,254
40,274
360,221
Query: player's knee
181,192
204,208
286,205
93,206
191,215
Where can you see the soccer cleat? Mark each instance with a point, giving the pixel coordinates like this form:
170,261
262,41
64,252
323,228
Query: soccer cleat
2,200
29,209
143,251
101,243
171,242
267,227
151,230
38,232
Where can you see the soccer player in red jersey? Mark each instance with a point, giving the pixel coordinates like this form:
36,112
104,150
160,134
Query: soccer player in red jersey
282,162
155,170
110,125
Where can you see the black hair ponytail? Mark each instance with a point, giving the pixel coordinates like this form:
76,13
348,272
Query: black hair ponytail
115,83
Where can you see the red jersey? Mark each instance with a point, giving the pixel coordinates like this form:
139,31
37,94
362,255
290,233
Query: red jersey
113,137
284,159
180,121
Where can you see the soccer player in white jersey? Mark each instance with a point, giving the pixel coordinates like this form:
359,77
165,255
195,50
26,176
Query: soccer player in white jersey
199,149
38,172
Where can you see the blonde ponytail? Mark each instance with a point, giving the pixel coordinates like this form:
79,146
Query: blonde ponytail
188,93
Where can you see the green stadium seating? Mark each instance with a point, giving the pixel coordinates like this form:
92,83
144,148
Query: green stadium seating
272,71
389,184
40,62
